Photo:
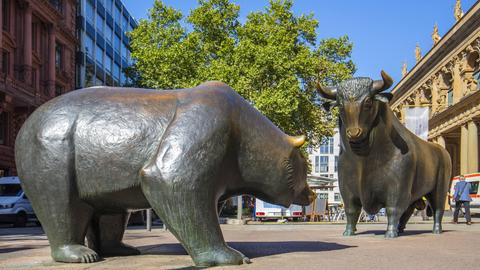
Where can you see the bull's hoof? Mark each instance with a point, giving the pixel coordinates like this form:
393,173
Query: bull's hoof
74,254
119,249
437,229
224,256
349,232
391,234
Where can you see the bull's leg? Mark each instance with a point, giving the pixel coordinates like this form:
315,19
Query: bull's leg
405,217
108,230
192,217
394,213
353,209
437,202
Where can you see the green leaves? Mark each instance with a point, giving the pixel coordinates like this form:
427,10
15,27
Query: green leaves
272,59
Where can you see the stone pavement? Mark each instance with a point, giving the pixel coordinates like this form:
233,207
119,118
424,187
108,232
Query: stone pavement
286,246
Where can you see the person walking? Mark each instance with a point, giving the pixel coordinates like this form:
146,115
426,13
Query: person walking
461,196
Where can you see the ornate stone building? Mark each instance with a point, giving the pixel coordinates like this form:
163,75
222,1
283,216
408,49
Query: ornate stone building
37,63
447,79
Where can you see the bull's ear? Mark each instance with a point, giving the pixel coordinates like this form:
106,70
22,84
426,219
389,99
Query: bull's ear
384,97
327,105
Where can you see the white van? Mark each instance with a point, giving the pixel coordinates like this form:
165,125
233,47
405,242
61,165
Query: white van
474,179
265,210
14,205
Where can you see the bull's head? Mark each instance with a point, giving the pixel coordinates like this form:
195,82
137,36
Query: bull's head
358,101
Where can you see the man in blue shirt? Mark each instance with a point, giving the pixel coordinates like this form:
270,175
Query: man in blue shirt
461,196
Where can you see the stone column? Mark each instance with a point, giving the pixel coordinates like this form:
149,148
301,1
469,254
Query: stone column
463,149
441,141
472,147
27,49
51,60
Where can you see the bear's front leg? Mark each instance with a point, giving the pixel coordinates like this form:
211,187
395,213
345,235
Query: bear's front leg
191,216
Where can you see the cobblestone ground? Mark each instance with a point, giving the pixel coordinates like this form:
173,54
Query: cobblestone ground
285,246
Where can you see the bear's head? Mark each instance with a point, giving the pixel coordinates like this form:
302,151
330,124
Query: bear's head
276,171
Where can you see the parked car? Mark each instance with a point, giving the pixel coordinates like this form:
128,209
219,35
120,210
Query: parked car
268,211
14,205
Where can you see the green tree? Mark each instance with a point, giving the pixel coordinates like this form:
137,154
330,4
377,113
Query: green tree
273,59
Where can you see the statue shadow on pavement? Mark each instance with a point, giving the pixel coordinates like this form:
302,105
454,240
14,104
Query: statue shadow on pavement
253,249
405,233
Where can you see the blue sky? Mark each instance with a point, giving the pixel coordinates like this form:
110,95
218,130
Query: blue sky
384,33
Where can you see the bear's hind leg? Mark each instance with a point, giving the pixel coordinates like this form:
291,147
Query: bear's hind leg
66,227
109,230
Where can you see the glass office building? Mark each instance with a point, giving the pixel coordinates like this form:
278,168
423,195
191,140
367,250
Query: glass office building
103,53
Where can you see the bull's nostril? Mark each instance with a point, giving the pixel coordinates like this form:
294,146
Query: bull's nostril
354,132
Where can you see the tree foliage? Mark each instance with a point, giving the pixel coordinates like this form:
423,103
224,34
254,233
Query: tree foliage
272,60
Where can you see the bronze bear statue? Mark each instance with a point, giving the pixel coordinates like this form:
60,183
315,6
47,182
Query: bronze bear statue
87,158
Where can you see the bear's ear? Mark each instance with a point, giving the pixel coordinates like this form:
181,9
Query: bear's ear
384,97
327,104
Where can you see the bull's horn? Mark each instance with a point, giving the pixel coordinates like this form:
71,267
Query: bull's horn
382,85
297,141
327,92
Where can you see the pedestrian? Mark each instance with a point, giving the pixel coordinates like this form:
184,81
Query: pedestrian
461,196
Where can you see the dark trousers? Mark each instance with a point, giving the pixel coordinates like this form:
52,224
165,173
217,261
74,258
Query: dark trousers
458,205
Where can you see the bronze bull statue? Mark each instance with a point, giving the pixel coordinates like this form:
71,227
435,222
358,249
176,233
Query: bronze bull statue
381,163
86,158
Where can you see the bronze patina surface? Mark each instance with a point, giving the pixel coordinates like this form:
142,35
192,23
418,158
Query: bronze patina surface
381,163
87,158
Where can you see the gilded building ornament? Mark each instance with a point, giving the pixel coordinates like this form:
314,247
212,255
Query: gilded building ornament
435,36
404,69
418,53
458,13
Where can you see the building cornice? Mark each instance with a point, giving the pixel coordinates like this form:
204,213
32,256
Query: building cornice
451,43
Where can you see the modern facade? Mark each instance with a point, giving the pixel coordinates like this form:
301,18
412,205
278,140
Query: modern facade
447,80
324,160
103,51
37,63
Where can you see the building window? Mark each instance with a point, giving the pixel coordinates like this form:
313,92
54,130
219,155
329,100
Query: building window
450,97
90,11
99,24
57,4
116,72
317,164
58,56
108,64
118,15
3,128
124,52
89,75
108,34
117,44
476,76
337,197
125,24
327,146
336,164
108,4
89,45
99,56
323,164
5,62
5,15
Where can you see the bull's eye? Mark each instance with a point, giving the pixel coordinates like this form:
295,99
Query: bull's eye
367,103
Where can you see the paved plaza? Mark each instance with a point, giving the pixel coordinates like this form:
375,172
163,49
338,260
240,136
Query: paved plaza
286,246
